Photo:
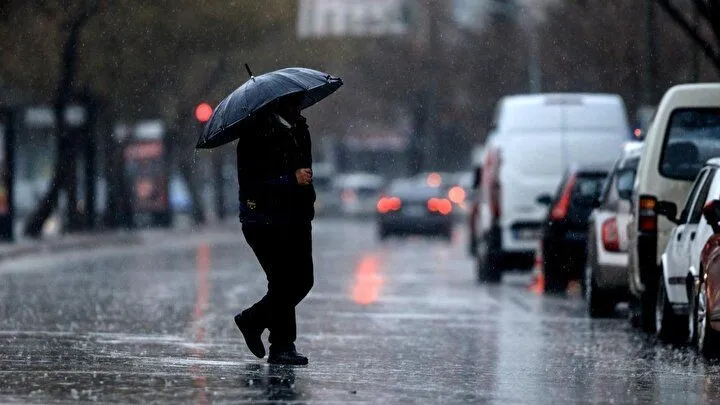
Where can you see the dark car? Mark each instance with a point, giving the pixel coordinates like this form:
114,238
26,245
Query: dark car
413,207
565,231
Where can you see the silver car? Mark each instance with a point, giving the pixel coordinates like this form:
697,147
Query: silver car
605,280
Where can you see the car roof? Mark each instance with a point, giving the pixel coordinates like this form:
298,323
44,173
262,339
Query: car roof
358,179
590,169
633,149
715,162
693,95
549,98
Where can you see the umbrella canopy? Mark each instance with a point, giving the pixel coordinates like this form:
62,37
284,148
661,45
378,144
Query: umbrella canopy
236,111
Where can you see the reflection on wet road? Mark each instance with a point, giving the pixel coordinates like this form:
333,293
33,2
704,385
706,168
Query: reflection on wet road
397,322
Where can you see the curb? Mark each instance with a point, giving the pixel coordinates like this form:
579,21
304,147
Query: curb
68,242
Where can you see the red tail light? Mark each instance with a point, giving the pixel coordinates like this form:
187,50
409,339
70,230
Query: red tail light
440,205
457,195
647,219
388,204
610,236
560,210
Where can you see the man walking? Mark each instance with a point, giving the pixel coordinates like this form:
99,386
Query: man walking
276,209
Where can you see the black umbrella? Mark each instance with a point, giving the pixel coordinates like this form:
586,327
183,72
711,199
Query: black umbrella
236,111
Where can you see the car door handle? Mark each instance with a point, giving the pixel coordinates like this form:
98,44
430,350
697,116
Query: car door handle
692,235
679,236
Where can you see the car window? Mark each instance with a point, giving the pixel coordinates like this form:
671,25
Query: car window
588,188
691,139
696,211
687,207
608,196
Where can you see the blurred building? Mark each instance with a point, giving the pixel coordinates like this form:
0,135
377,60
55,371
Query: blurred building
322,18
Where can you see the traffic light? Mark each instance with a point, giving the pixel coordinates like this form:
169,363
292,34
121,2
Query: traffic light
203,112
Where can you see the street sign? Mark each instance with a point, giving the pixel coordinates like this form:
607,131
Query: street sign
334,18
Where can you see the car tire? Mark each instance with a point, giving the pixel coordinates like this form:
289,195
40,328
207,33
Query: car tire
634,311
708,340
489,259
555,280
669,326
600,303
648,302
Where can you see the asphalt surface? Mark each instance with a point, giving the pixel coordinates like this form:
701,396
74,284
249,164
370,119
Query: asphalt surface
396,322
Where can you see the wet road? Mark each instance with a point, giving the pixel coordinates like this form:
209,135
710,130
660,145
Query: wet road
395,322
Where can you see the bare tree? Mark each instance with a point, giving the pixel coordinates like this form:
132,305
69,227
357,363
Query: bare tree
77,18
707,14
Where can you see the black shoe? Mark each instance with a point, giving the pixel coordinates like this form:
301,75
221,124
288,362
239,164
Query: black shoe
252,335
288,357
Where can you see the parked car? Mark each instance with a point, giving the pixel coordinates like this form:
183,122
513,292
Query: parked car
684,134
564,235
478,157
357,193
536,137
605,281
680,261
413,207
706,294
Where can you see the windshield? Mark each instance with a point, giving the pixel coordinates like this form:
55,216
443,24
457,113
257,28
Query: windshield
588,188
692,139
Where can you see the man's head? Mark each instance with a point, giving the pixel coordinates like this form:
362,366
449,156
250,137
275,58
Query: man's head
290,106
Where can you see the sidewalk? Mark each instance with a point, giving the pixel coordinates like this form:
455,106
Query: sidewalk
83,241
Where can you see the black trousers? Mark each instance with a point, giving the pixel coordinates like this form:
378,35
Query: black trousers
285,254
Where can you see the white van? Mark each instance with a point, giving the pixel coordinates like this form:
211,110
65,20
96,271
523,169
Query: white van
536,137
683,135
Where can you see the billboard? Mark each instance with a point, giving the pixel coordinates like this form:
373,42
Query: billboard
328,18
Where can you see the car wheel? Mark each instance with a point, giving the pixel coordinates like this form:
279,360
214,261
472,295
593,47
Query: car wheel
708,340
648,302
634,311
599,303
555,280
669,327
488,261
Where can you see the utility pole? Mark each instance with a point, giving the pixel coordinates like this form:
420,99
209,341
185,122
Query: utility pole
534,72
649,82
431,59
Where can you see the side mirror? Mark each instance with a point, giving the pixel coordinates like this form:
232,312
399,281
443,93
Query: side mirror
544,199
711,212
668,210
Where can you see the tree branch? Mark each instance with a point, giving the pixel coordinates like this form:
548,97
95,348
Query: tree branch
692,31
710,10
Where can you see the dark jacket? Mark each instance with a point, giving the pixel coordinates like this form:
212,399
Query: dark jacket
267,158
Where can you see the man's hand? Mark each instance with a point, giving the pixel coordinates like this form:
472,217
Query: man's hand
303,176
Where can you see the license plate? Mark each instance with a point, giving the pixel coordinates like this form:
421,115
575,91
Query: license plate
528,234
415,211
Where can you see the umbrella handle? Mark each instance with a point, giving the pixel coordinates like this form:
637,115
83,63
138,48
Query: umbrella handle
248,70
